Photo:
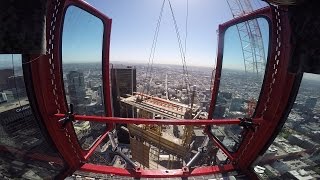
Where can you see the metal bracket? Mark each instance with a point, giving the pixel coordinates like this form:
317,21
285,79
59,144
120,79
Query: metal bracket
69,117
121,154
248,124
197,156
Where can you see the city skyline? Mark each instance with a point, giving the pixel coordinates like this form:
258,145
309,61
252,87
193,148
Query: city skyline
233,101
6,63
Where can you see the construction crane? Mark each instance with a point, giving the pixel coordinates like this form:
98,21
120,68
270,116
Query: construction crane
250,37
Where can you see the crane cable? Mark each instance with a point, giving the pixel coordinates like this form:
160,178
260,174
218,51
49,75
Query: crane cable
182,51
185,47
153,48
186,28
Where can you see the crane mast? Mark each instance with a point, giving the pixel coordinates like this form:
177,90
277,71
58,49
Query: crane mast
250,37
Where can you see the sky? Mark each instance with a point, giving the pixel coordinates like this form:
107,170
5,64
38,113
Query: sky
232,51
82,37
133,26
134,23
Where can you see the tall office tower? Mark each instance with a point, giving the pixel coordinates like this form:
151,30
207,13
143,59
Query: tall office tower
3,98
16,86
16,82
15,120
24,148
236,104
219,111
76,89
124,83
311,103
125,80
4,75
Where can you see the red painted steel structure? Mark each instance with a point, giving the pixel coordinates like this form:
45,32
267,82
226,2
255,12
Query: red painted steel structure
157,173
49,90
153,121
48,84
277,81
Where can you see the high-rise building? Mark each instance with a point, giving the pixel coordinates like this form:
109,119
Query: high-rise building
124,79
219,111
236,104
16,119
4,75
16,87
124,83
311,103
24,148
3,97
76,89
16,82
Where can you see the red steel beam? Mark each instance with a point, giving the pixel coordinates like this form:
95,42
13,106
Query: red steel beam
153,121
275,93
220,146
199,171
88,153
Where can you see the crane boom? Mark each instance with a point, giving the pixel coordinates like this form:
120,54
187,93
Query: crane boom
250,37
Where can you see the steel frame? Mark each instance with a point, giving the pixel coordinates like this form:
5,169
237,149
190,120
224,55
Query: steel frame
277,81
159,173
49,90
192,122
48,84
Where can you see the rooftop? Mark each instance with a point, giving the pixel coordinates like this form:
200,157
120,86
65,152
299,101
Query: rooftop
14,104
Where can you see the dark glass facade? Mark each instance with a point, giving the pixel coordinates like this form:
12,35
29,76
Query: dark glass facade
25,152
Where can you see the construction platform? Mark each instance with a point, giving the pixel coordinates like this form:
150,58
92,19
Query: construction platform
172,141
165,108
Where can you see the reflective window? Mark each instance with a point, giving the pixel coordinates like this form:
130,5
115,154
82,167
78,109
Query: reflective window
24,152
243,67
82,70
295,153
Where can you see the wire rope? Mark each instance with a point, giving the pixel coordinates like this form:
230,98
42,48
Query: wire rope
153,47
182,52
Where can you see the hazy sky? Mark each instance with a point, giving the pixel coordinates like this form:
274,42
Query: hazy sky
134,23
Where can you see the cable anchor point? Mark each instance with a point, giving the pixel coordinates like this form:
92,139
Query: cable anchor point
248,124
69,117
